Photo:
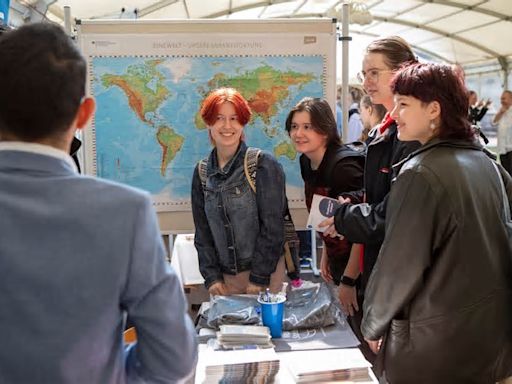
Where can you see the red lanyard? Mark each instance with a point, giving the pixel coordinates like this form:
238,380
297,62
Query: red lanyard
386,122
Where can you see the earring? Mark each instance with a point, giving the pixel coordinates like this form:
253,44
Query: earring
432,125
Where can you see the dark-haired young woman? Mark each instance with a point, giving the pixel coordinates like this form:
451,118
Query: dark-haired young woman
329,168
441,290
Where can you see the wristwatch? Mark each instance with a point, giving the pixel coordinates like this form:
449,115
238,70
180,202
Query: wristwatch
348,281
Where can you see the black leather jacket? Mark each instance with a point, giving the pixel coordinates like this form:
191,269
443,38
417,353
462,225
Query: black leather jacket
440,291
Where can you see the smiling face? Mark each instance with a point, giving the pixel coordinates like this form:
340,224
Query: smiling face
226,131
304,137
377,76
416,120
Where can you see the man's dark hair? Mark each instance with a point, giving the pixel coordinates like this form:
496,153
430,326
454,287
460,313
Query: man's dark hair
42,80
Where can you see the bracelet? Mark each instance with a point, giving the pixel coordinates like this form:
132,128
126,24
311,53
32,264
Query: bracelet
348,281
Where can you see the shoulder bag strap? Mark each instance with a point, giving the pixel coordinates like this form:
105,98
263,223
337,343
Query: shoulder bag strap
201,167
251,165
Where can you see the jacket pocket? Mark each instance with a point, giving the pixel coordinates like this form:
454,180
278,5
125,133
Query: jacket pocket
239,195
400,329
397,352
398,337
430,348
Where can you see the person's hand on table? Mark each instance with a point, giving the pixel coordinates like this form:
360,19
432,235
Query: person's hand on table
374,345
218,288
253,289
348,299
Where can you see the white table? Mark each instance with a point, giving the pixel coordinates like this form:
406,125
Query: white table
346,357
185,261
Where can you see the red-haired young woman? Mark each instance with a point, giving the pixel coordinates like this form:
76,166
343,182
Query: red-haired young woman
239,233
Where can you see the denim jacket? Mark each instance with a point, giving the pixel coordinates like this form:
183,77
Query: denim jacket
236,229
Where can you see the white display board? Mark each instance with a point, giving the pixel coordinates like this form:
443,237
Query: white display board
150,77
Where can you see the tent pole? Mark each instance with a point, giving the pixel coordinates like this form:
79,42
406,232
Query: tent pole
504,67
345,38
67,20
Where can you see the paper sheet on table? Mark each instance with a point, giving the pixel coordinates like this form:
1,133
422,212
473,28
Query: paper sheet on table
305,362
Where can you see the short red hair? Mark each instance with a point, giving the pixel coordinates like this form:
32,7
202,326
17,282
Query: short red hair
216,98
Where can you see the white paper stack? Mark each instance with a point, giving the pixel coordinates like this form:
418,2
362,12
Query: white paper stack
327,366
232,336
239,367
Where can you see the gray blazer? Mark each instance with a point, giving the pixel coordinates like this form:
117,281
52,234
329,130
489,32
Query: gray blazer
76,255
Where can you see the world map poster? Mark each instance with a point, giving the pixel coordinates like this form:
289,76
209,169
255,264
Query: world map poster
148,131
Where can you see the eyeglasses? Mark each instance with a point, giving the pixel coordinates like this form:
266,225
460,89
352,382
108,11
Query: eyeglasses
372,74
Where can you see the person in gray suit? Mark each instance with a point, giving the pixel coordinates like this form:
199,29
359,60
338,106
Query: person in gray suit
77,254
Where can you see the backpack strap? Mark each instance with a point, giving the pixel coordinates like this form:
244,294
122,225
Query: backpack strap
290,235
352,111
356,149
201,168
251,165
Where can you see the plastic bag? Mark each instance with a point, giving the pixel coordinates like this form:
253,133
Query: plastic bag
235,309
310,307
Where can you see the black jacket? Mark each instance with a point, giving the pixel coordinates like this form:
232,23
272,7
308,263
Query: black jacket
364,223
340,172
441,288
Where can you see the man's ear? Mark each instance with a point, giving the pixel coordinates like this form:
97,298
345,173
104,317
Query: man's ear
85,112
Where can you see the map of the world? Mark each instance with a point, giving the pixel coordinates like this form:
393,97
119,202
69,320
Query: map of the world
148,132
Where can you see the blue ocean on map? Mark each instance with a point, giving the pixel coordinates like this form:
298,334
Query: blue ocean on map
126,147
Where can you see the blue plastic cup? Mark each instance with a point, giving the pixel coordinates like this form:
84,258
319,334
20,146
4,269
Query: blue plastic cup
272,316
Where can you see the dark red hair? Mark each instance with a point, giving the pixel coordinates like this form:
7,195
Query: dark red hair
210,106
429,82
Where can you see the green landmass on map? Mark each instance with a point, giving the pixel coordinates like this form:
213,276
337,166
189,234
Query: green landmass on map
144,87
198,121
285,149
264,88
171,143
142,98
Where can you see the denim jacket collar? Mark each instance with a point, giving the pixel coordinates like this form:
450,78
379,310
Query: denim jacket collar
233,163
